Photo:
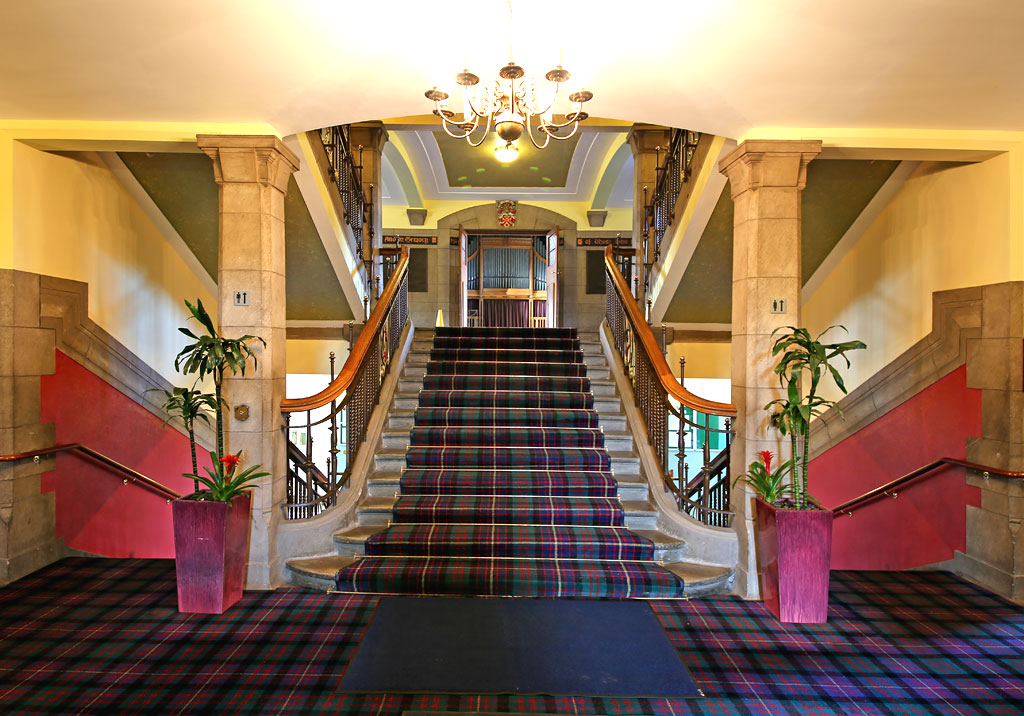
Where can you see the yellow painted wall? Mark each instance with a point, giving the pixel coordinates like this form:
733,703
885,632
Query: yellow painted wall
949,226
73,220
313,356
703,360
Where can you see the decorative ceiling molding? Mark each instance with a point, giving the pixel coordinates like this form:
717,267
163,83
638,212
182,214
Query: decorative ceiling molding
428,166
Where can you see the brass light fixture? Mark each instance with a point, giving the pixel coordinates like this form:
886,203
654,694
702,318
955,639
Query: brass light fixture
513,105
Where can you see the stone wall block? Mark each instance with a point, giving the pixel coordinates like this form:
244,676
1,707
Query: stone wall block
24,400
244,198
988,534
1002,314
995,363
34,354
776,251
26,299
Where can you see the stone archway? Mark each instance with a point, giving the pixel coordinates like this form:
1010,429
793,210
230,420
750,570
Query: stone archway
576,307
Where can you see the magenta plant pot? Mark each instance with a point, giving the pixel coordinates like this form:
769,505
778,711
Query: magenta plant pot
211,546
795,548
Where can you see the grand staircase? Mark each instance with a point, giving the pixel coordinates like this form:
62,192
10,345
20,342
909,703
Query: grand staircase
507,470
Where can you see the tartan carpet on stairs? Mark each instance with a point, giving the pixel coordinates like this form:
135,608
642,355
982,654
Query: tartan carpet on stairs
508,488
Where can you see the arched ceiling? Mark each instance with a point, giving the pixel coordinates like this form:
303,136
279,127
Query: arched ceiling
723,67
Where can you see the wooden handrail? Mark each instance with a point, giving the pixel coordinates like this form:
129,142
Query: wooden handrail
643,333
100,458
359,351
914,475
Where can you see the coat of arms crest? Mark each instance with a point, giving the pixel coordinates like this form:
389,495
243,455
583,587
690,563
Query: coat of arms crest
506,213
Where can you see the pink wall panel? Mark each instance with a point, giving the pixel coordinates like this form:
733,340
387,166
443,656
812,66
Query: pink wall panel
927,521
96,513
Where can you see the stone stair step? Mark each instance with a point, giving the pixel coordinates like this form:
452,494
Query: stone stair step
383,484
702,579
666,549
625,463
353,540
374,511
502,577
317,572
640,515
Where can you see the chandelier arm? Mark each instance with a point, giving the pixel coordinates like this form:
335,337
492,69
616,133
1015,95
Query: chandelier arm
552,125
529,132
477,114
444,125
483,136
558,87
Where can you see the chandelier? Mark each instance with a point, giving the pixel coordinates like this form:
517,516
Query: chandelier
513,104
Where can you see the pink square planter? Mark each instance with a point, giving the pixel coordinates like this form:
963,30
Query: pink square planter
795,547
211,544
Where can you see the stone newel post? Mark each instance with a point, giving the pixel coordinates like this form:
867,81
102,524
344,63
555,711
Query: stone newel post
252,173
766,180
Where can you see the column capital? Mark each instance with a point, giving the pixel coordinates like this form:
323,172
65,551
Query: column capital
645,138
249,159
759,163
372,135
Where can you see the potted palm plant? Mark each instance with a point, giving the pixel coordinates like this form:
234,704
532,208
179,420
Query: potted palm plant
794,532
211,526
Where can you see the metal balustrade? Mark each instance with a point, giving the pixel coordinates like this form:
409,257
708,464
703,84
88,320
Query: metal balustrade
657,395
345,405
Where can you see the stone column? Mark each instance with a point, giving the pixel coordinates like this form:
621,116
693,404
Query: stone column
252,173
372,137
994,555
28,532
647,142
766,179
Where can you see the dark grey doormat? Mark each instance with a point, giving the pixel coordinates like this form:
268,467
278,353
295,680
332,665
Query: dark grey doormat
517,646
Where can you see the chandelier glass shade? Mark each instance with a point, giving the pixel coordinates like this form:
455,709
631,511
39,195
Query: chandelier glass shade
513,105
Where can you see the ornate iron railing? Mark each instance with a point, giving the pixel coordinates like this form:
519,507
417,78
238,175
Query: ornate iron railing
659,212
346,171
657,395
344,407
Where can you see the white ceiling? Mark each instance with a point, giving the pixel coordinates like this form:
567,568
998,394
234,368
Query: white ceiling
722,66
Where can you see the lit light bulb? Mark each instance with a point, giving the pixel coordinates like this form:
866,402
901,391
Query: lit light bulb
506,152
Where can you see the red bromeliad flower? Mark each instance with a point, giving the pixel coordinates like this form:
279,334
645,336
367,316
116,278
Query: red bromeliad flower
231,462
766,456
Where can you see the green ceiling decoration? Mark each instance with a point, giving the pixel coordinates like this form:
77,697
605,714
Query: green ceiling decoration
836,194
182,187
466,165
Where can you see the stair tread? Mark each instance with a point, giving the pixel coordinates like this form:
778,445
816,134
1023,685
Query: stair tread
323,567
327,567
359,533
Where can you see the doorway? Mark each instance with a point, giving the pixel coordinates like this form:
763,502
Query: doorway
509,279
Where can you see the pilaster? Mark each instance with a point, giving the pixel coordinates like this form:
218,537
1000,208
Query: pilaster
994,553
28,528
766,179
252,173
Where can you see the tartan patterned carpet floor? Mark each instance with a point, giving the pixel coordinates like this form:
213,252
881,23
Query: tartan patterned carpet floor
482,474
99,636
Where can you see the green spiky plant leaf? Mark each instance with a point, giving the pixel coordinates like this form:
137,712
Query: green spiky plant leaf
188,405
803,362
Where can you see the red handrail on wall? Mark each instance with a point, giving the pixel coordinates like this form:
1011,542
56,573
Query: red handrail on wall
922,472
132,475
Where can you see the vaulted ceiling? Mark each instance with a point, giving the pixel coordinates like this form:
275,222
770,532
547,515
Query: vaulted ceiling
722,67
